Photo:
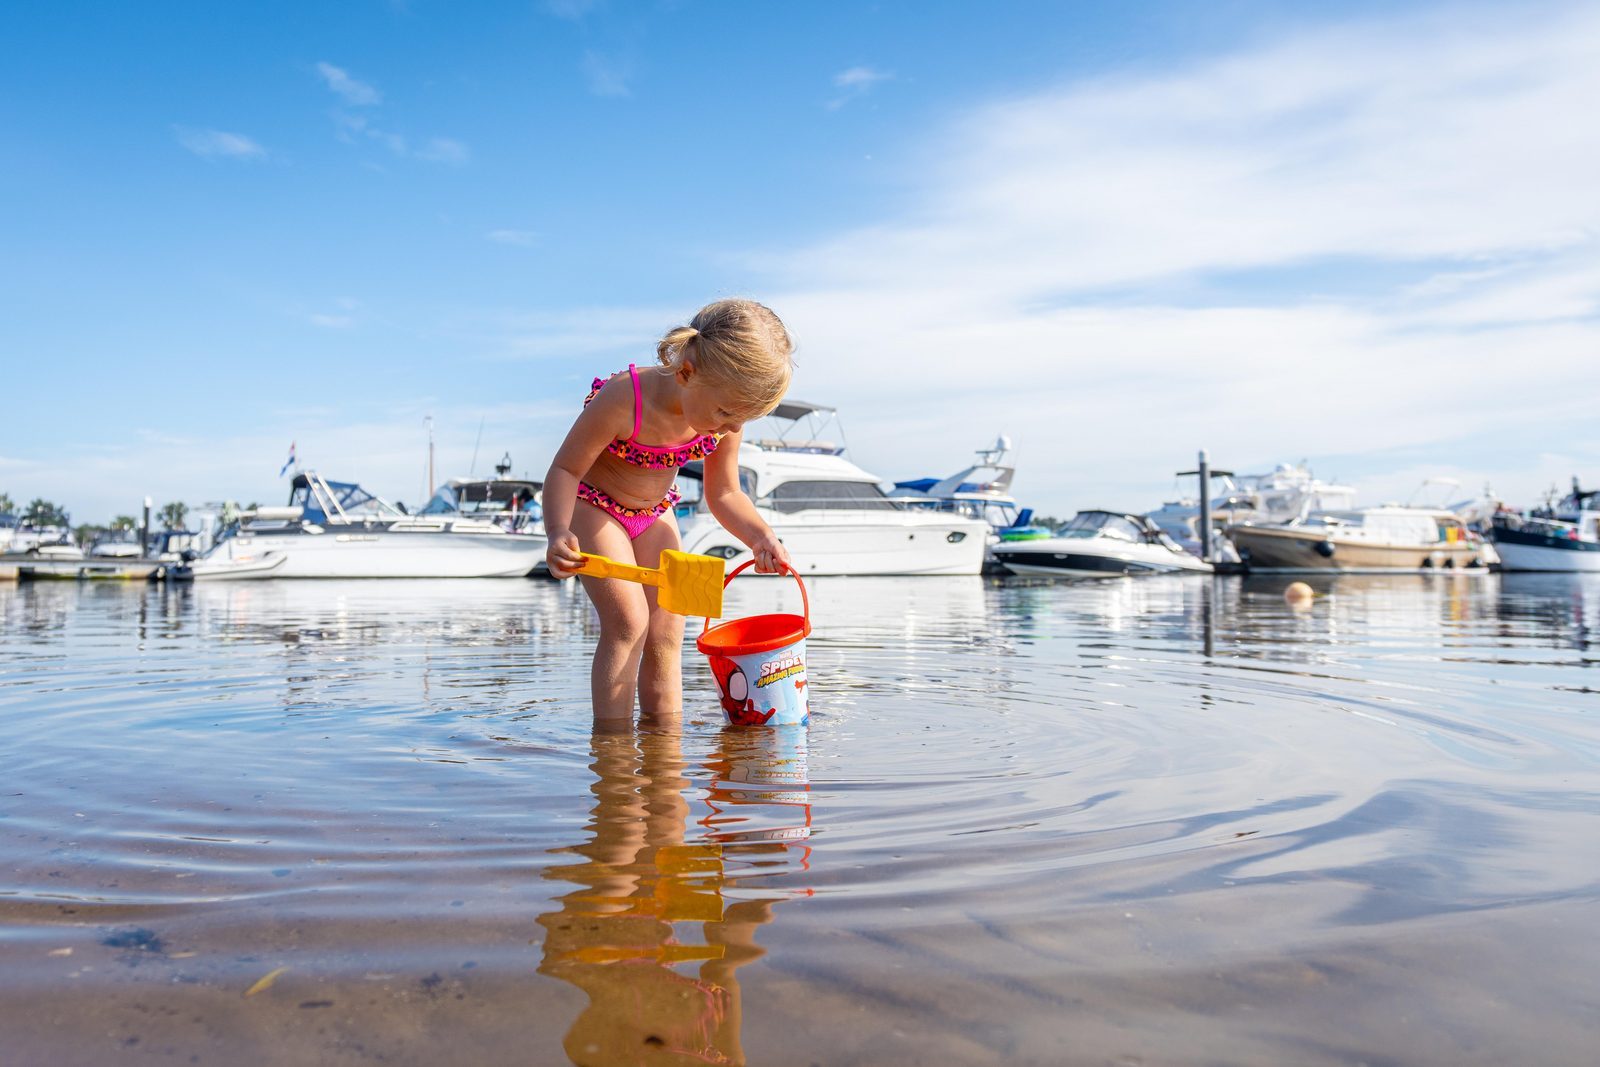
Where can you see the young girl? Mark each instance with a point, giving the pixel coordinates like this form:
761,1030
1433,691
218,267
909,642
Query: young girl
611,494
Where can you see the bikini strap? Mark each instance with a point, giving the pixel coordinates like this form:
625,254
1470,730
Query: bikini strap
638,404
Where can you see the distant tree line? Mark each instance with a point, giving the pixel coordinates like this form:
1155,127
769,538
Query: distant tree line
41,512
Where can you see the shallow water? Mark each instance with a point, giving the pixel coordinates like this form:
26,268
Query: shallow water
1157,821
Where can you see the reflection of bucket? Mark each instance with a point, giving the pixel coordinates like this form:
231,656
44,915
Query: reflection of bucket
760,664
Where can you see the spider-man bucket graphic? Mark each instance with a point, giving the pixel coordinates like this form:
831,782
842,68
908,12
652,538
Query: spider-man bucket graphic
760,664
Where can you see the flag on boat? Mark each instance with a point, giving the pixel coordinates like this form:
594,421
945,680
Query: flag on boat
289,462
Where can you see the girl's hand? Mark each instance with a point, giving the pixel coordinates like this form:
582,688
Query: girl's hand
564,557
771,556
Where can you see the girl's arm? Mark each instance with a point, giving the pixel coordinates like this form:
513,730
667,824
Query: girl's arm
608,416
735,511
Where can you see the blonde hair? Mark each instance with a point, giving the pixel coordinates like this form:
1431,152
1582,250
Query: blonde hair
742,345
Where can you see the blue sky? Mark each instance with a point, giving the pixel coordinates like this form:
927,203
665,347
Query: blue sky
1363,235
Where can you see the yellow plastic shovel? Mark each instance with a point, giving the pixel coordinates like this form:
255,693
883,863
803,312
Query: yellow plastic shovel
688,584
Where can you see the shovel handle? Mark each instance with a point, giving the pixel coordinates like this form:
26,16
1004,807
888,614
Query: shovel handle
602,567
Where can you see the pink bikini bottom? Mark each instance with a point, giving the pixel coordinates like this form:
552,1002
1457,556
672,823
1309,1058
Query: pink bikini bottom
634,521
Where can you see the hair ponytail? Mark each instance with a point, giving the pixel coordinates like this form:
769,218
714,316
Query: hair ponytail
673,344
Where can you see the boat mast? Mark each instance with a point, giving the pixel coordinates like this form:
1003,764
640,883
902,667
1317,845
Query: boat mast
427,492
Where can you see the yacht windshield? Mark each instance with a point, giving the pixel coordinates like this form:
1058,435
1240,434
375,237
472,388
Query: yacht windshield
1102,524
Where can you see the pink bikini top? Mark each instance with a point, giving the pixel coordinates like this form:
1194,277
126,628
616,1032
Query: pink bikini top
654,457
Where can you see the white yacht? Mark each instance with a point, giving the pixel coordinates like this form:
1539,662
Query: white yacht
339,530
1384,538
516,505
1283,494
833,517
1561,536
980,491
1100,544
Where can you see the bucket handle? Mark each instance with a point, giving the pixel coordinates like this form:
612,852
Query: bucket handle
805,601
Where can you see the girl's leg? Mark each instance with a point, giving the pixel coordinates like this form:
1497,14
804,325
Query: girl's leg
624,617
661,666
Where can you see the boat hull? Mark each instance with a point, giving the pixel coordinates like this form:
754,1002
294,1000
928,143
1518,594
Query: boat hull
361,553
1522,550
841,543
1084,558
1267,548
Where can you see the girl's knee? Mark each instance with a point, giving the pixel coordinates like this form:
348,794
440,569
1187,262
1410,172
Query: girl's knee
665,627
626,624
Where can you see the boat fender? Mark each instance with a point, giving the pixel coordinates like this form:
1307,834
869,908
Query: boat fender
1325,549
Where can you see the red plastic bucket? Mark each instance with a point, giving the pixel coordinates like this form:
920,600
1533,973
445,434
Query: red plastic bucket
759,663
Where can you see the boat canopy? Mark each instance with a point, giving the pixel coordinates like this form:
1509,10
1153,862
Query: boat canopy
800,426
314,495
795,410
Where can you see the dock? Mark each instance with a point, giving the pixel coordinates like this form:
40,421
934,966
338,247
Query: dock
23,566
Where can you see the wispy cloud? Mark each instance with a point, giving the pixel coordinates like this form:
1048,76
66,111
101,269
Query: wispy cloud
521,238
443,150
218,144
854,82
606,75
342,319
353,92
354,128
357,128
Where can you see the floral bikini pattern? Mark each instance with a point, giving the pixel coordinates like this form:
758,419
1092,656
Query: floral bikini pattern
606,502
651,458
636,521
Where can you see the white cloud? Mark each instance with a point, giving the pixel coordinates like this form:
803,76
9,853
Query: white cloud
606,75
521,238
333,322
854,82
353,92
352,128
443,150
1111,271
215,144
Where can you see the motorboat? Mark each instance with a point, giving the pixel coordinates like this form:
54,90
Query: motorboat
25,536
980,491
1388,537
117,544
1101,544
833,517
55,550
513,504
1560,536
339,530
1283,494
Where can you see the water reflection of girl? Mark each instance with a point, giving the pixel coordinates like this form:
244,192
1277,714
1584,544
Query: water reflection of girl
622,936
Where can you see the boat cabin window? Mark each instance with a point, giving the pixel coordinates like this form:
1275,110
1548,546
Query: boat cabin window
796,496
